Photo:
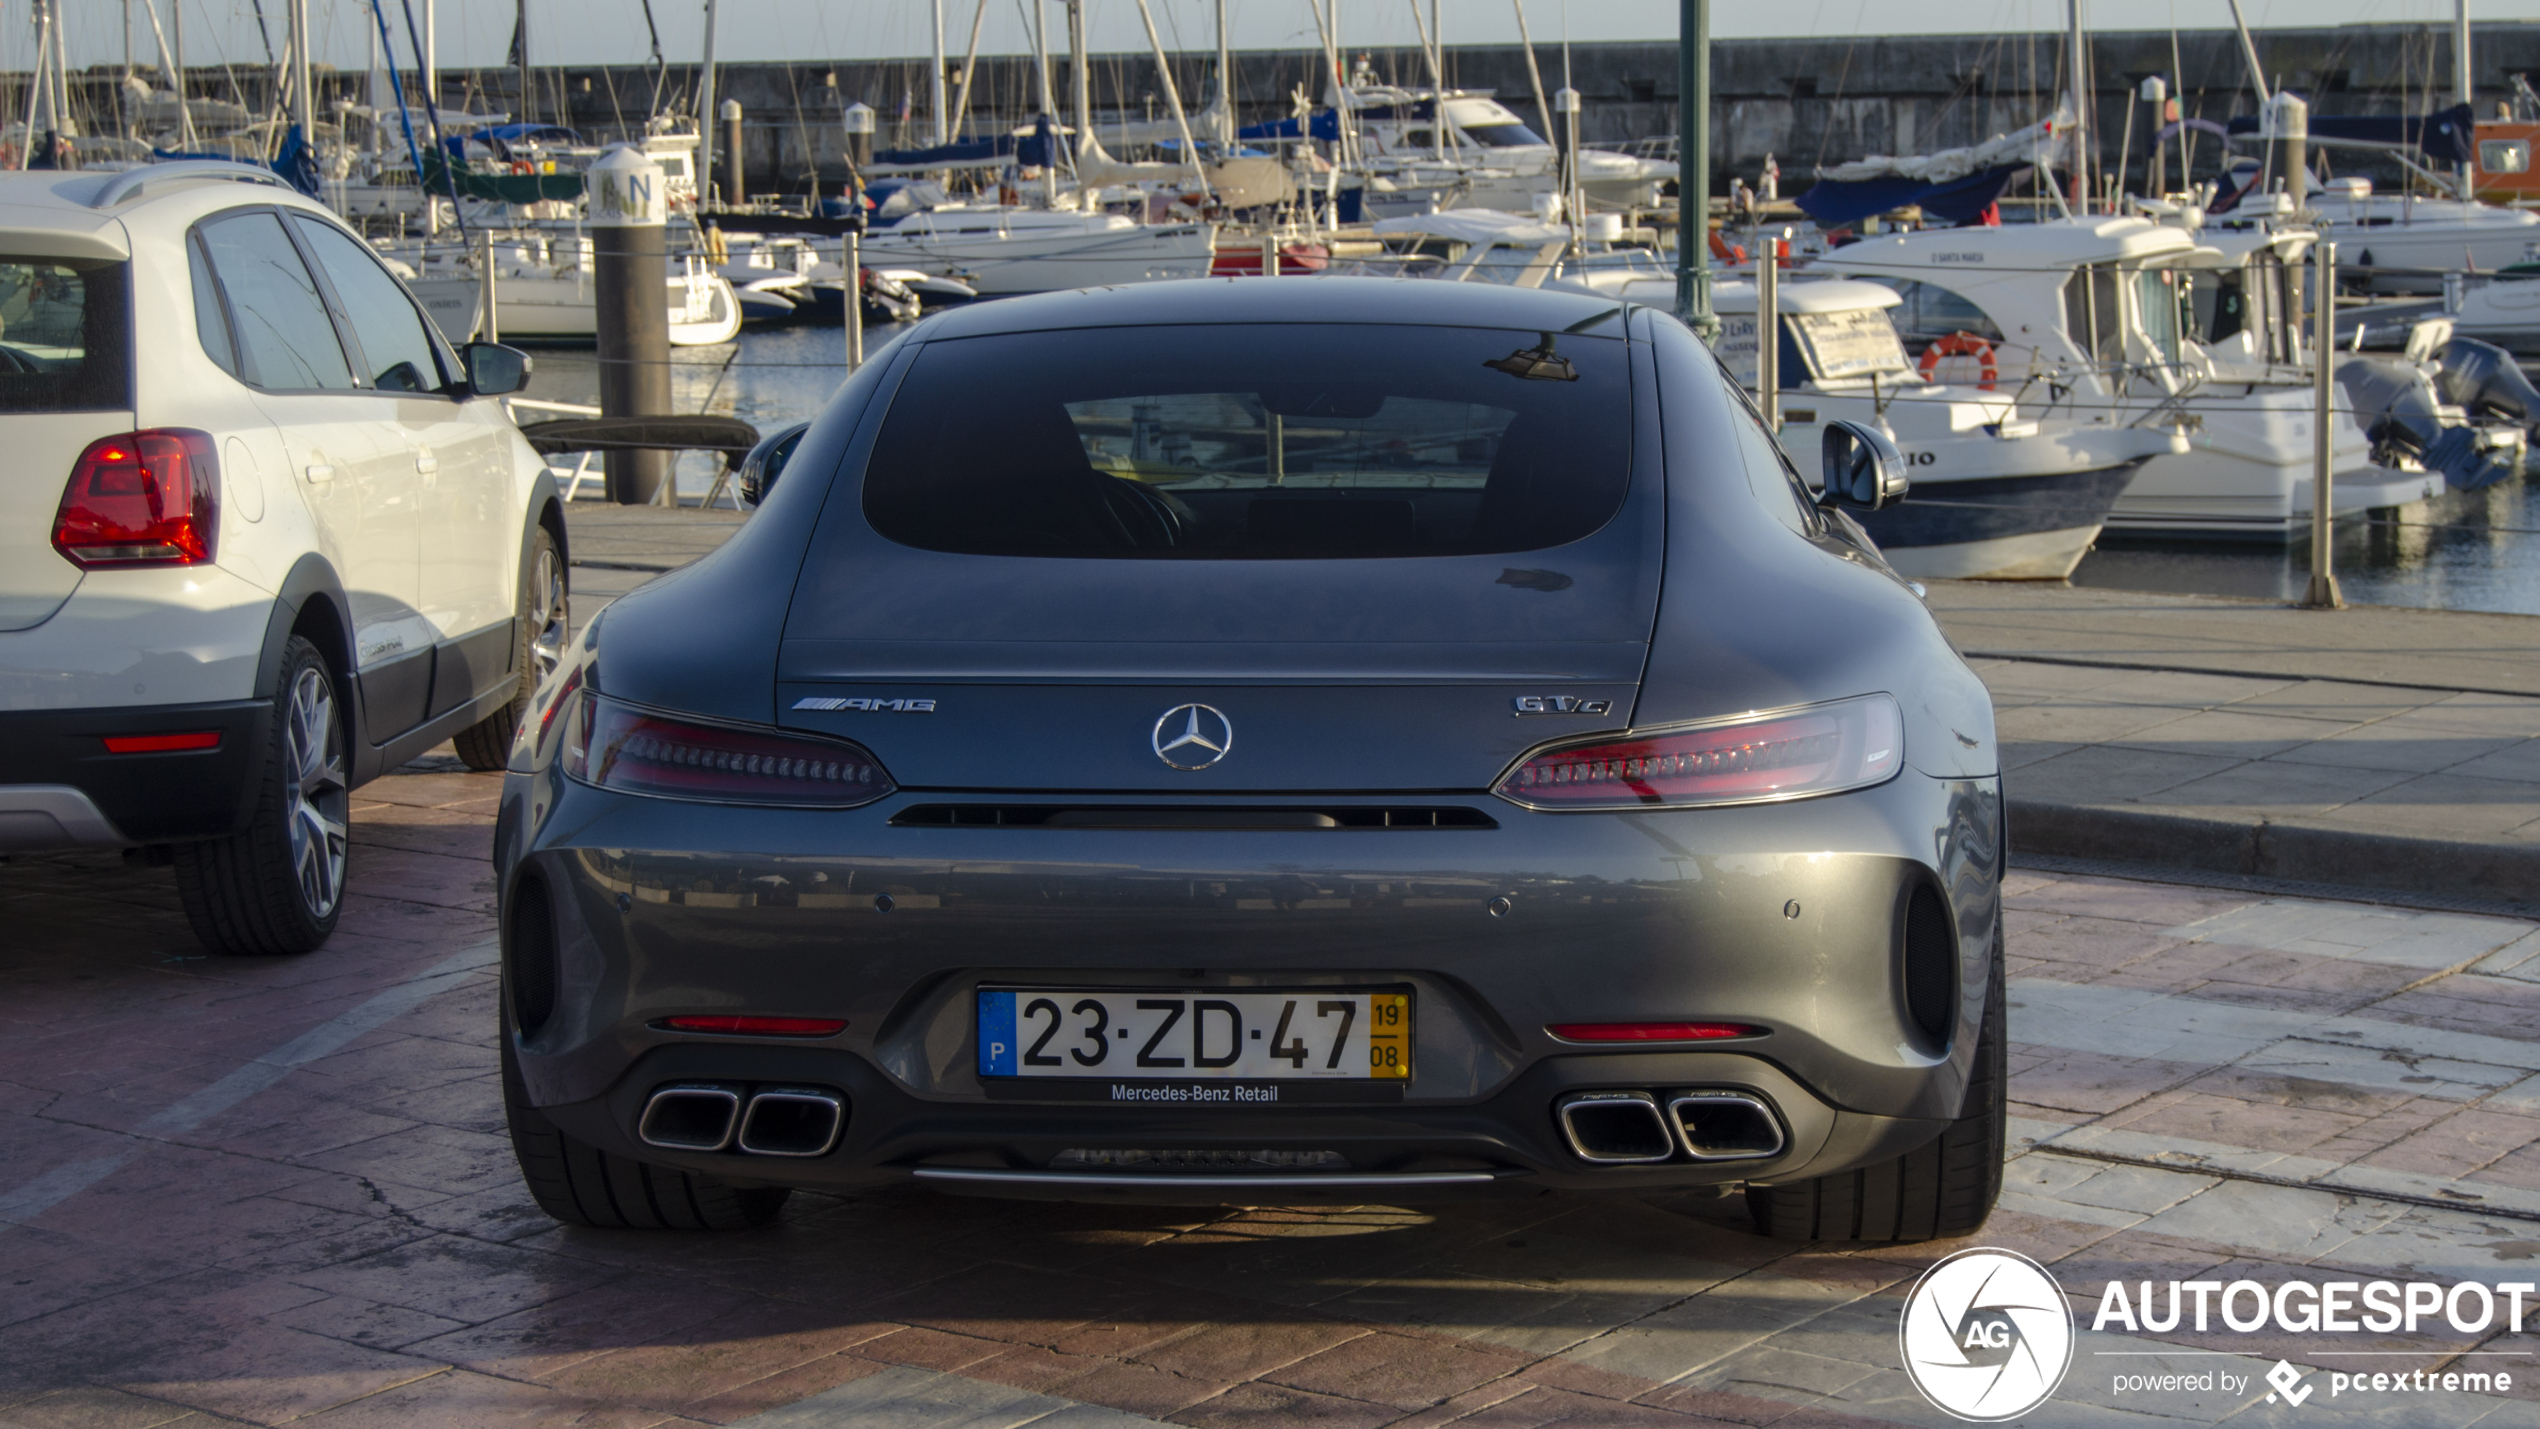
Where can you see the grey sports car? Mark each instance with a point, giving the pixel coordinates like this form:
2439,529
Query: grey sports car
1268,742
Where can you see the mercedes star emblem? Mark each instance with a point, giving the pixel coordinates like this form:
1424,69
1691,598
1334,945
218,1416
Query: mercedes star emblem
1193,736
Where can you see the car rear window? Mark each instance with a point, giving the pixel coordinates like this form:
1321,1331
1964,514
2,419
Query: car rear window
1254,442
65,335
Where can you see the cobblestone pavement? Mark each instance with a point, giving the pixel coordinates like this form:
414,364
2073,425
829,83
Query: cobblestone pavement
277,1191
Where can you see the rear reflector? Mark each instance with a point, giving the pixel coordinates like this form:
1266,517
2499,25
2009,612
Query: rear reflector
1651,1031
161,743
1822,749
634,751
759,1026
143,499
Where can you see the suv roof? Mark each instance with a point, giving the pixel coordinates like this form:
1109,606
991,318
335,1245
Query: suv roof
83,214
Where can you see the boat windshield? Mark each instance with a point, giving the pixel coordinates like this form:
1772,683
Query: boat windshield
1297,442
2159,294
64,336
1507,134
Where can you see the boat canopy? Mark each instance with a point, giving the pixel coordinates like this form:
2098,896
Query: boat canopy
1810,295
1477,226
2446,136
1959,185
1031,148
1325,126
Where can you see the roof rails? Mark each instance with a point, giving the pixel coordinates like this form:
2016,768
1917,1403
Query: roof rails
131,183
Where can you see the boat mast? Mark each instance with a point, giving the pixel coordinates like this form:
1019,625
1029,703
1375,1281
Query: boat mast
2078,82
1049,103
2249,50
1080,78
1225,87
430,60
2461,81
705,107
1173,97
303,107
1534,72
935,82
520,28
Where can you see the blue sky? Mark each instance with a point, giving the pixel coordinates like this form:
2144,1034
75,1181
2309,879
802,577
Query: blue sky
612,31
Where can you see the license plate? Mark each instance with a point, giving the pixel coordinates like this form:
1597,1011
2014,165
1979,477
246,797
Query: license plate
1231,1036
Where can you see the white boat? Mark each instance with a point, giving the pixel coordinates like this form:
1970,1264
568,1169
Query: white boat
2403,243
1005,250
1996,495
2124,321
544,291
1490,158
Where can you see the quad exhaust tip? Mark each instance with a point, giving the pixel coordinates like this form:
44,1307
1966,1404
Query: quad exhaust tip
1638,1128
793,1121
1615,1128
1725,1126
691,1116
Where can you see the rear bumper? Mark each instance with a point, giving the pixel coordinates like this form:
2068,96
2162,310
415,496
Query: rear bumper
1783,916
61,788
1506,1144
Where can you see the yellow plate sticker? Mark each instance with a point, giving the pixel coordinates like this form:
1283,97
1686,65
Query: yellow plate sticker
1389,1035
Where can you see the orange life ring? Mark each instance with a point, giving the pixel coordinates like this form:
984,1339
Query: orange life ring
1964,344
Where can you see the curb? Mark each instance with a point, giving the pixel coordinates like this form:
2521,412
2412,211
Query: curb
2291,852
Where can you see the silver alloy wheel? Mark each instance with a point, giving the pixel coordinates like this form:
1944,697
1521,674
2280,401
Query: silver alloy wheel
320,799
548,618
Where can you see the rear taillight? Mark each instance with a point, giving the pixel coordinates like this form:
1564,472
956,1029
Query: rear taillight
1822,749
634,751
142,499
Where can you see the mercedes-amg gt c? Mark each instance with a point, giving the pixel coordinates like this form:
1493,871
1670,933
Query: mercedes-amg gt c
1268,742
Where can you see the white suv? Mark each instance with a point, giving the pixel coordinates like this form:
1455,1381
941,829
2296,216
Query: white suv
263,536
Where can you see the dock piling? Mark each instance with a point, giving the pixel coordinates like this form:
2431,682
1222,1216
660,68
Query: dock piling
631,293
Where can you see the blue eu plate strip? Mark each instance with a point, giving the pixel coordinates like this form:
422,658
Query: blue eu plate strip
996,1034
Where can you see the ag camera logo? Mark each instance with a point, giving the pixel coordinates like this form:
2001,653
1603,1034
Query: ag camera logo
1986,1335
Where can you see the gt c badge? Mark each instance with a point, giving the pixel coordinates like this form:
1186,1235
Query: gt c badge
1531,705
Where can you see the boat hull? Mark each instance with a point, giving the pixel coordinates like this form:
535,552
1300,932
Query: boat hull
1998,528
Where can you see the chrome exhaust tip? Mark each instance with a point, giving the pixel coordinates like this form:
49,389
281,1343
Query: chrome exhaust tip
1726,1126
793,1121
690,1116
1614,1128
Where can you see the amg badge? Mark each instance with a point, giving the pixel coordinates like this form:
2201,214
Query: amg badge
831,702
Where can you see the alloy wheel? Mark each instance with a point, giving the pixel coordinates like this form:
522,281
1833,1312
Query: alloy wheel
319,795
548,617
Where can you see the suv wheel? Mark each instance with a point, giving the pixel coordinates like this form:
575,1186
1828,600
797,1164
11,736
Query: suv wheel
278,887
582,1185
537,648
1934,1192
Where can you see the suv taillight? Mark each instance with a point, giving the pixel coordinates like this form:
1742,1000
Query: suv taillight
142,499
635,751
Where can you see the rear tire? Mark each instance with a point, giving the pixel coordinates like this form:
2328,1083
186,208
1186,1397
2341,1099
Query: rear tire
582,1185
1935,1192
277,888
538,641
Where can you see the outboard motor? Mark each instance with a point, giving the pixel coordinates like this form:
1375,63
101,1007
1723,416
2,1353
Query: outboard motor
2401,410
2483,380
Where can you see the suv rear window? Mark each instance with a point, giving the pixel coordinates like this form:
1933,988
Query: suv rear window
1258,442
65,335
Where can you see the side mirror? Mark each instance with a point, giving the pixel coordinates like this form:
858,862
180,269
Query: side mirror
766,462
1863,468
494,370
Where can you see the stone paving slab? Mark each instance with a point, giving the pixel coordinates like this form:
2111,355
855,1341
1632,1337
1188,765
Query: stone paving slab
241,1191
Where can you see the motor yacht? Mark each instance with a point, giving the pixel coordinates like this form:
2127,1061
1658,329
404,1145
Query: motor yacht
2122,321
